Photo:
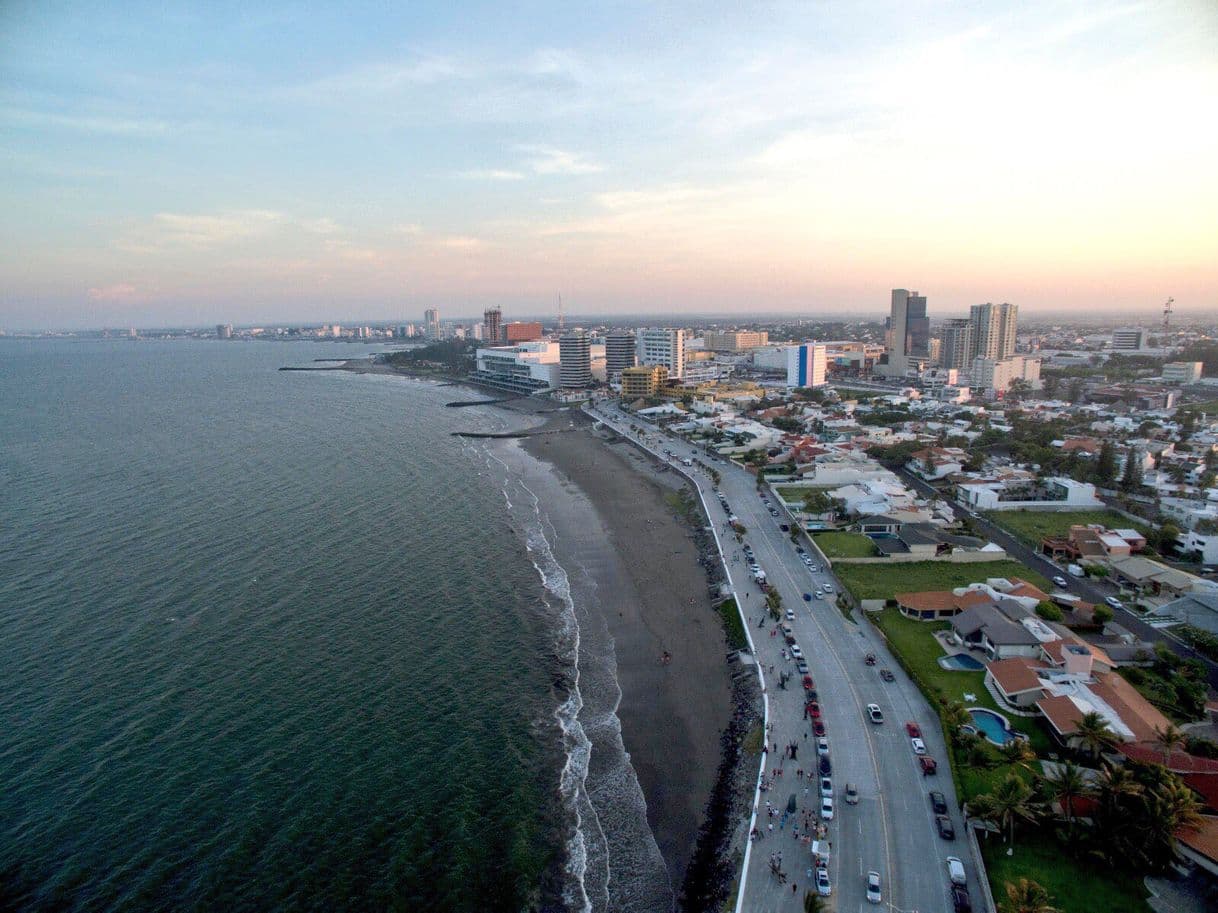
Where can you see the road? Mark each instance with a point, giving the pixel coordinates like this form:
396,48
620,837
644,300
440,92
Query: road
1086,588
891,830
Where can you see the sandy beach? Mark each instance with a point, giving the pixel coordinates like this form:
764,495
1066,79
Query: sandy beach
653,595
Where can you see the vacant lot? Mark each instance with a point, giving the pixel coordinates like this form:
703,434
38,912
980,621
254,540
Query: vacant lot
845,545
794,494
881,581
1032,526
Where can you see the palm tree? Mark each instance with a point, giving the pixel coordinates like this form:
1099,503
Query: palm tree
1018,753
955,715
1115,785
1169,738
1011,799
1165,809
1026,896
1066,784
1094,734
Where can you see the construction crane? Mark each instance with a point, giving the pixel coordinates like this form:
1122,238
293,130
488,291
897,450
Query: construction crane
1167,314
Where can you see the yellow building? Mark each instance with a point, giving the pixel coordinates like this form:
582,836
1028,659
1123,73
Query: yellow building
643,381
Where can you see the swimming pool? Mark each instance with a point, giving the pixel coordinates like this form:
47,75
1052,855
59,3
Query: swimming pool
961,662
993,726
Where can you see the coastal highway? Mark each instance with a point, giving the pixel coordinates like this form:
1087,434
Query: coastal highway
891,830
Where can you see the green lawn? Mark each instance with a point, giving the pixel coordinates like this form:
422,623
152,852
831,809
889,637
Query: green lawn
845,545
794,494
1031,526
1074,885
881,581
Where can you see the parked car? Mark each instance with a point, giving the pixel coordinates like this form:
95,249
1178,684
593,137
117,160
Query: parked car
826,788
938,803
961,902
784,527
818,727
874,713
944,824
822,747
790,614
873,887
887,675
919,746
807,682
796,652
807,597
825,767
1114,602
826,808
802,667
852,794
1061,582
913,730
869,659
929,766
955,870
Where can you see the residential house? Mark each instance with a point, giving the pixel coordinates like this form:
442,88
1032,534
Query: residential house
1151,577
1050,494
1199,610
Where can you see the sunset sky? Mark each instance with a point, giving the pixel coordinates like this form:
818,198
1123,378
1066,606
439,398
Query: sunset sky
177,164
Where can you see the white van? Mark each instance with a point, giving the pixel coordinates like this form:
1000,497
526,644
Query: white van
955,870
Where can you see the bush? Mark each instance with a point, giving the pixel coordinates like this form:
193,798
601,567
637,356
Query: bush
1049,612
1201,747
1102,614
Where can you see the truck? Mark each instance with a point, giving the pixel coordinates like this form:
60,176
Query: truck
1074,570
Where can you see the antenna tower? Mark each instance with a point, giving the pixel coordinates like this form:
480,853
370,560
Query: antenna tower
1167,314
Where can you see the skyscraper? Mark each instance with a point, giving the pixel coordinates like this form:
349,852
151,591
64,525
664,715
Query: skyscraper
956,344
993,330
431,323
806,365
662,346
908,330
492,325
619,353
575,359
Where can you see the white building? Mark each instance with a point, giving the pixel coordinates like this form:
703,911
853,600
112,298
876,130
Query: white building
575,359
996,375
1128,339
1182,372
806,365
993,330
1050,494
662,346
528,367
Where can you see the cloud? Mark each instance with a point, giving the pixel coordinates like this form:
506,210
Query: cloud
322,226
461,242
203,231
85,123
549,160
492,174
382,78
122,291
411,229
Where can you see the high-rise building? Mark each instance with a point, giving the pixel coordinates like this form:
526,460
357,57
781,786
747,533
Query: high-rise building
575,359
518,331
492,325
643,381
908,331
806,365
956,344
735,341
620,353
224,331
431,323
1128,339
995,375
662,346
994,328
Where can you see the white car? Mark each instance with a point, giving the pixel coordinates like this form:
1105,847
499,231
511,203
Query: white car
955,870
828,588
1114,602
1060,582
826,788
822,747
826,808
823,888
790,614
796,652
874,713
919,746
873,887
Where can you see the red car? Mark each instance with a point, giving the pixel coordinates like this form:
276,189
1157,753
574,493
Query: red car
818,727
913,730
928,765
808,683
814,710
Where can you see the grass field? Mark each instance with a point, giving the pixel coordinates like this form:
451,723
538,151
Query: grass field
1074,885
845,545
794,494
1032,526
733,627
881,581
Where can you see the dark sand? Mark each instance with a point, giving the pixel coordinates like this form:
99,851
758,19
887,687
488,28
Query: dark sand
654,598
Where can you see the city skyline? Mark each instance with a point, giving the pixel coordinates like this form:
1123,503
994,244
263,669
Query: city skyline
300,164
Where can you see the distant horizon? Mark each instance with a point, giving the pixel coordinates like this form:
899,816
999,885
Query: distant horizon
185,166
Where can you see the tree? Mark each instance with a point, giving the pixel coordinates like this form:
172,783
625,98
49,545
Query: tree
813,903
1131,479
1018,753
1010,800
817,502
1094,734
1105,465
1066,784
1101,615
1049,611
956,715
1025,896
1169,738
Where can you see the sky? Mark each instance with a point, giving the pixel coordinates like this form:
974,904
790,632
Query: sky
185,164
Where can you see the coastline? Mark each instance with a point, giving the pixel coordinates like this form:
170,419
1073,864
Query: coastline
652,597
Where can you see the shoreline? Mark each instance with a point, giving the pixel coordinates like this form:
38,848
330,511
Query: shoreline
673,715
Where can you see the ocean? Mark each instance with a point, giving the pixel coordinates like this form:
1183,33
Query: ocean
277,641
